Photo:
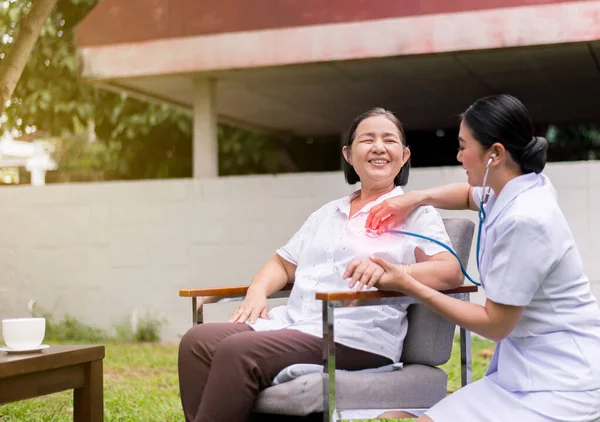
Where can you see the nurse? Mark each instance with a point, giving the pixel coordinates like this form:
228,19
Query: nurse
539,308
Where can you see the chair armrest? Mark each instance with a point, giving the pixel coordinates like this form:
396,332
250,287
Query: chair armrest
200,297
331,300
199,306
329,296
222,291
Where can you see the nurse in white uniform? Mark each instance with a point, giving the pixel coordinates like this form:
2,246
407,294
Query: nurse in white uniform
539,307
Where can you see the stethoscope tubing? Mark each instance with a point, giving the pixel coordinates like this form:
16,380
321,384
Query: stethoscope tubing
482,216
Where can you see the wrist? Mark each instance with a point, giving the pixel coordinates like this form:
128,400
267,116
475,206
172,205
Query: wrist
418,290
256,290
424,197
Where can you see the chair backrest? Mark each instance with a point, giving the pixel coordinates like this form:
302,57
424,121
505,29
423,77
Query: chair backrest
429,337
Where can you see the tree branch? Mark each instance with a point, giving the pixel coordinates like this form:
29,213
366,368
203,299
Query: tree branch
13,64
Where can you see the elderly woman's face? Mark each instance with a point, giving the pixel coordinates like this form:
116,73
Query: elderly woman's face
377,153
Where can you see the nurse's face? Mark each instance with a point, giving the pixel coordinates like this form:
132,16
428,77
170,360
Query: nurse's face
471,155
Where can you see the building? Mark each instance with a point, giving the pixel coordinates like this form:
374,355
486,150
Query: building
308,67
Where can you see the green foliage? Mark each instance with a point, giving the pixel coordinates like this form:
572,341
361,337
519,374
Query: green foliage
152,140
247,152
49,95
69,329
574,142
135,139
147,330
75,153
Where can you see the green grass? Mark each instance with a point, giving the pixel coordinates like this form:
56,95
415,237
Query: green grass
140,384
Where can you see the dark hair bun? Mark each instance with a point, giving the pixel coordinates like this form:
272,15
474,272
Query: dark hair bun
535,155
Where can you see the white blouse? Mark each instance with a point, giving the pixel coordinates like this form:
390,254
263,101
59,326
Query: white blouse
322,250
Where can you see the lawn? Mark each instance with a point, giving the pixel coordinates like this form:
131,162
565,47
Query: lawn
140,384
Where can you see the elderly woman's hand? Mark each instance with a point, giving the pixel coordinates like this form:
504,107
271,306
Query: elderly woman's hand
394,278
364,273
252,307
392,212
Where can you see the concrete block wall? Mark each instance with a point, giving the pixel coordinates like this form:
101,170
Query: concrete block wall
103,251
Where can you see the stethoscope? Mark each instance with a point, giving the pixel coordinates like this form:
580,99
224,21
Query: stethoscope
482,216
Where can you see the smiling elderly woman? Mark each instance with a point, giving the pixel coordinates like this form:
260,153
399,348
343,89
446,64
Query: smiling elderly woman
224,366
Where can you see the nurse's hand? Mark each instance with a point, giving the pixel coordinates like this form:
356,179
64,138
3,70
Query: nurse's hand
253,306
392,212
363,273
394,276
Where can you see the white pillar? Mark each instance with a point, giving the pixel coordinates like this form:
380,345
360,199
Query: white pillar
205,147
38,177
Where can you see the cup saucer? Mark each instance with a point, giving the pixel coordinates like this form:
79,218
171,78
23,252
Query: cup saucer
33,350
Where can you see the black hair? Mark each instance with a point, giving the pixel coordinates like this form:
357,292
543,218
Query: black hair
401,178
504,119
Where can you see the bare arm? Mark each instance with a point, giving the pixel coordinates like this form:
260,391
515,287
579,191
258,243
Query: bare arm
392,212
494,321
456,196
271,278
440,271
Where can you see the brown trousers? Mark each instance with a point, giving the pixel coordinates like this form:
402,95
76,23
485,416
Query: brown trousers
224,366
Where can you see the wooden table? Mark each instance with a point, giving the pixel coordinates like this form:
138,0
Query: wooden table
57,368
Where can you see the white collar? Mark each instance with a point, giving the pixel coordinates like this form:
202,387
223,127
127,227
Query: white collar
513,189
343,204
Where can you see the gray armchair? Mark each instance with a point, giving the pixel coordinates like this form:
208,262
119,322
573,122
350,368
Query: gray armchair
428,344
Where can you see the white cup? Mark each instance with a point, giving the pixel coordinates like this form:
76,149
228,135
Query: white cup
23,333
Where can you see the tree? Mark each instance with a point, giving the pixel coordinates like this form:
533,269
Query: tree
152,140
142,140
14,62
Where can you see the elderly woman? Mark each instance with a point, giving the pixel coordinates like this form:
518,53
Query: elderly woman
224,366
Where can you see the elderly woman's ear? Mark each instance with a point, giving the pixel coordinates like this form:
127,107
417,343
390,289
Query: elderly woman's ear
406,155
346,154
